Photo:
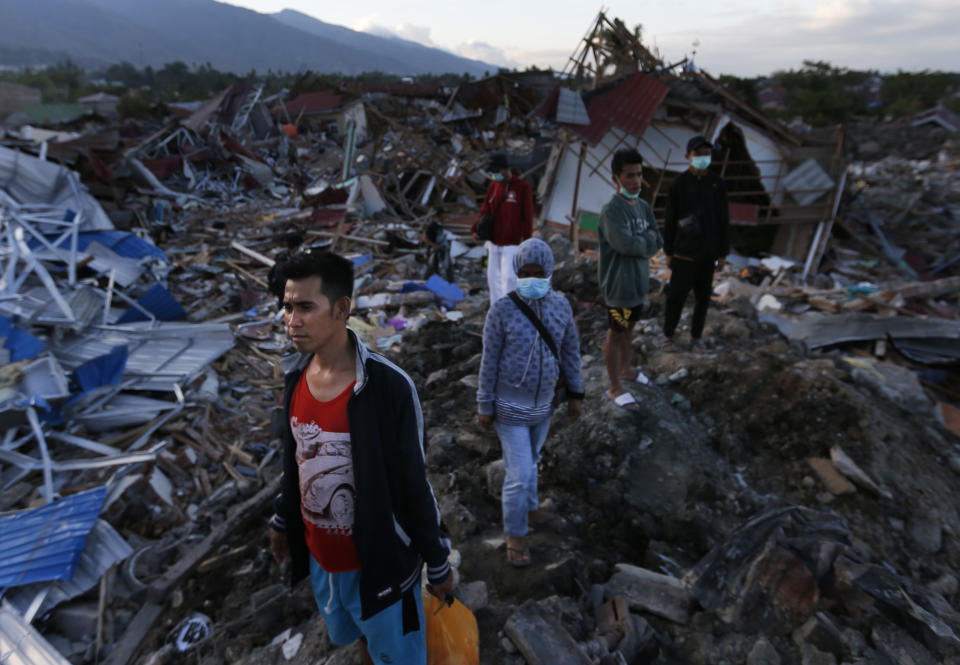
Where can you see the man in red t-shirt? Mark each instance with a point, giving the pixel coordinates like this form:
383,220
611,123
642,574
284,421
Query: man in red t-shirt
510,200
355,511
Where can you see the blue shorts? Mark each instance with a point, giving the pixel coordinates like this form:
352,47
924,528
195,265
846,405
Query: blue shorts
338,597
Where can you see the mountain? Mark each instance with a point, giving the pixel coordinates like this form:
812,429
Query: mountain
152,32
417,57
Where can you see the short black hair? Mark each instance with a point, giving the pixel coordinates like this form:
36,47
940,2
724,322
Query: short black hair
293,239
622,158
335,272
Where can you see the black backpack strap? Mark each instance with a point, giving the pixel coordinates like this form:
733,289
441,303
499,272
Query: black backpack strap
537,323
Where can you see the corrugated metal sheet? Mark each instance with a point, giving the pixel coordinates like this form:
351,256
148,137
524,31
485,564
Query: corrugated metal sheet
21,644
104,548
160,356
571,109
45,543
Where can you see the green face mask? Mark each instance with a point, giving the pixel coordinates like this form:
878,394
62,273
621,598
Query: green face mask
627,195
496,177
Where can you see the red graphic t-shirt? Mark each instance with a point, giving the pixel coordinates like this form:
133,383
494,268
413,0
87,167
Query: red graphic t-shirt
327,491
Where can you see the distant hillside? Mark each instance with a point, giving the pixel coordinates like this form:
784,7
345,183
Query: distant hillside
151,32
417,57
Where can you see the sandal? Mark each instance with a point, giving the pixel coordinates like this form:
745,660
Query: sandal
524,556
625,401
639,378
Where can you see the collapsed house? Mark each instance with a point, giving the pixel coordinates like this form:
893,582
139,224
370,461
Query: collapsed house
784,189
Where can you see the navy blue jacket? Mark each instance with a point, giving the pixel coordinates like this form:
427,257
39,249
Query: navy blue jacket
397,523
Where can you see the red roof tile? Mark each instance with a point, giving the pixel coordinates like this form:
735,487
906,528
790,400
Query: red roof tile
314,102
628,104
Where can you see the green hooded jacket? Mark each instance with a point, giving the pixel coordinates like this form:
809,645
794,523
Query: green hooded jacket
628,238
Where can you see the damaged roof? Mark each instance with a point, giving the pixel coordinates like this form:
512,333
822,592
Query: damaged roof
628,103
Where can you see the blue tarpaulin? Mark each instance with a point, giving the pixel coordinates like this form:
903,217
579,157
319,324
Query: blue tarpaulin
450,294
124,243
45,543
21,344
158,302
105,370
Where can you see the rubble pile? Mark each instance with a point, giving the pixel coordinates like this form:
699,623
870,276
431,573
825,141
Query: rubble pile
783,497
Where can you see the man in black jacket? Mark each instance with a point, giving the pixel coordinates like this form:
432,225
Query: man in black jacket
356,511
695,238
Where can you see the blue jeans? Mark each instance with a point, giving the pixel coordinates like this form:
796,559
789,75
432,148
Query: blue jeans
521,452
338,597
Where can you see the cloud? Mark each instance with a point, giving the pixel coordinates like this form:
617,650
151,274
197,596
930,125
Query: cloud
485,52
408,31
885,35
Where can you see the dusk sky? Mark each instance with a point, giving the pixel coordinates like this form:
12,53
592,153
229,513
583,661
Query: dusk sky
744,38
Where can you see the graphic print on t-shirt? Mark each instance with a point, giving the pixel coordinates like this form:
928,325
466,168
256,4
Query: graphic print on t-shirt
327,489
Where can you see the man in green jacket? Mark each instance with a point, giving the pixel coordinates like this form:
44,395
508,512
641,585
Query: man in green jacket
628,238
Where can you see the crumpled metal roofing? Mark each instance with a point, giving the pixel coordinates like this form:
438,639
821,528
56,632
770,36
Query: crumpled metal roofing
22,644
45,543
629,104
104,548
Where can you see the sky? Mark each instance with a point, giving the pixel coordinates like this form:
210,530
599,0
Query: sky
724,37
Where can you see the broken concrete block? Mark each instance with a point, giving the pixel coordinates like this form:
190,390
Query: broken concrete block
495,472
541,638
899,647
822,633
811,655
473,595
766,574
647,591
836,483
926,531
479,443
763,653
849,468
640,645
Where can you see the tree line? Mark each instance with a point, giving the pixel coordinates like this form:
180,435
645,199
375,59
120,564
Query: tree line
818,92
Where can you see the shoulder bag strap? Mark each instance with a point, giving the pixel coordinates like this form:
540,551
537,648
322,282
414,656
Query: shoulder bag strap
537,323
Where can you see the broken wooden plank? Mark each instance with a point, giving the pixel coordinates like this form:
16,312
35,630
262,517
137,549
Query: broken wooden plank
647,591
541,638
127,646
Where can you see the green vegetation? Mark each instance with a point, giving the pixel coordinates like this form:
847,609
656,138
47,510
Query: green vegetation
818,92
822,94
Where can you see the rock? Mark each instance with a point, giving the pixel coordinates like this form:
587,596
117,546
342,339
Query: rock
827,473
439,376
541,638
853,641
479,443
926,531
811,655
899,647
947,584
763,653
458,519
507,645
647,591
495,472
954,462
821,632
849,468
473,595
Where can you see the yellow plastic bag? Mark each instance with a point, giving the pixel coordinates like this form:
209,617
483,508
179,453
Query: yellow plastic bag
451,631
